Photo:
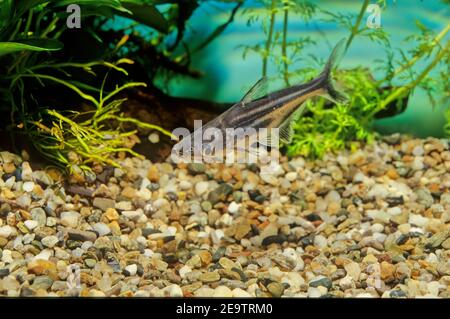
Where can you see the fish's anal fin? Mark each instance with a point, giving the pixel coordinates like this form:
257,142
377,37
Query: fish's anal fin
259,89
328,97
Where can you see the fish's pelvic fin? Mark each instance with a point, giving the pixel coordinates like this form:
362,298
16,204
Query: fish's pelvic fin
286,129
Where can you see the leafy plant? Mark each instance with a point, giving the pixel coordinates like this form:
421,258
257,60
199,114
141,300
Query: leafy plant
326,127
80,138
36,74
276,47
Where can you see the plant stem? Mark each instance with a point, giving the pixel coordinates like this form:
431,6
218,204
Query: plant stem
269,38
283,46
355,28
401,91
411,62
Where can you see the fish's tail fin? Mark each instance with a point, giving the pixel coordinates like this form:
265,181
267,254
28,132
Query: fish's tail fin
335,56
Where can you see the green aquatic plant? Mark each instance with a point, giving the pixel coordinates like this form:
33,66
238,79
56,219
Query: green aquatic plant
42,93
73,139
276,47
329,128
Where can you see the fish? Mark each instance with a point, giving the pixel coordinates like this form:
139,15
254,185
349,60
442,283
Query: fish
273,114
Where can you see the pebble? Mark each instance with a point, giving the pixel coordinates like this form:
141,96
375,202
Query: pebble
38,215
7,231
320,241
70,219
222,292
291,176
314,292
103,203
81,235
50,241
102,229
233,208
183,271
300,228
220,193
174,291
153,138
28,187
27,172
131,270
239,293
276,289
210,277
201,188
321,281
418,220
196,168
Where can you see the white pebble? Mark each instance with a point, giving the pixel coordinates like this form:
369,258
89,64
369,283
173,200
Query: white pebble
333,196
101,228
27,172
233,208
133,215
201,188
314,292
131,269
418,150
28,187
148,252
394,210
6,231
320,241
433,288
49,241
184,271
239,293
44,255
377,228
86,245
291,176
418,220
70,219
174,291
30,224
7,256
222,292
153,138
217,235
185,185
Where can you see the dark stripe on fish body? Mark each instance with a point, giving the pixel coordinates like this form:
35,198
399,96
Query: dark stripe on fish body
272,102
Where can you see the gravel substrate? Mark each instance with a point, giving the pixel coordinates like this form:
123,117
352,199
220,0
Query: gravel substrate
372,223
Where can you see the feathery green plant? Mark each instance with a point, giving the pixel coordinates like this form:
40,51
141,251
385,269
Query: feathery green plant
32,60
77,139
325,127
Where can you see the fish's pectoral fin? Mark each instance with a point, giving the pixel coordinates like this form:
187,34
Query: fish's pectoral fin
259,89
286,130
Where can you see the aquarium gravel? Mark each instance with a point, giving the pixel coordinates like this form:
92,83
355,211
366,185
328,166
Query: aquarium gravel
369,223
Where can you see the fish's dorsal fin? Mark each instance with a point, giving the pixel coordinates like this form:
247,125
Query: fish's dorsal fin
286,130
259,89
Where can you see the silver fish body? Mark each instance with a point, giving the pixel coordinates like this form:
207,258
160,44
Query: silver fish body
276,110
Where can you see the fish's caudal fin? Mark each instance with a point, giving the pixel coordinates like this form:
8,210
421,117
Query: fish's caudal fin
335,56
